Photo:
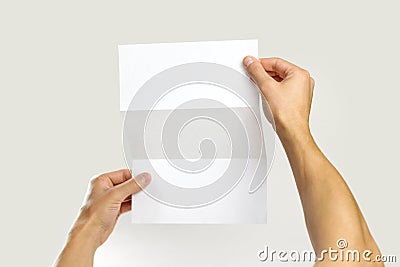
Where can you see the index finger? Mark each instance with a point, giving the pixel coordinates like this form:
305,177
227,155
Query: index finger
118,177
280,66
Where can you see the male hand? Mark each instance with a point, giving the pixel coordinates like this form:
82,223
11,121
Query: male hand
108,196
287,88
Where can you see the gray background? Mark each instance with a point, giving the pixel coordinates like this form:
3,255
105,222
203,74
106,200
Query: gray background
60,119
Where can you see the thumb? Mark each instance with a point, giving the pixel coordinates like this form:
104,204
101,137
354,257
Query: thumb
257,72
131,186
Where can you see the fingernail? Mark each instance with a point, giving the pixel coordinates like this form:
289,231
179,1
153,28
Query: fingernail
144,178
248,60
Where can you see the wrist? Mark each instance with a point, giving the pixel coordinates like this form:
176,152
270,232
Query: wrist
295,133
288,130
84,236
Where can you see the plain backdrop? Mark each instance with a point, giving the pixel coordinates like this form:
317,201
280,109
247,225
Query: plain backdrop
60,119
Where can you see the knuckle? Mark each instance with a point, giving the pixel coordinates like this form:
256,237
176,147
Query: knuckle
92,182
306,74
94,179
97,179
276,58
312,81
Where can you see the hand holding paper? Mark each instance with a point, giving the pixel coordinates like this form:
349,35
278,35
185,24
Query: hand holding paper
196,126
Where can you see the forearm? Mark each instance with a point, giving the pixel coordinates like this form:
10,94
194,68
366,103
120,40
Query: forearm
330,209
79,250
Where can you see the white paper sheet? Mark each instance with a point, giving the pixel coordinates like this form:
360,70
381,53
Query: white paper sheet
140,63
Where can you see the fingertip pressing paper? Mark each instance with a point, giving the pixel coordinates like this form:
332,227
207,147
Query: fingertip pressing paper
193,120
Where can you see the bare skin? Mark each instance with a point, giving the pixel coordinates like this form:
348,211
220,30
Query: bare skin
108,197
330,210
